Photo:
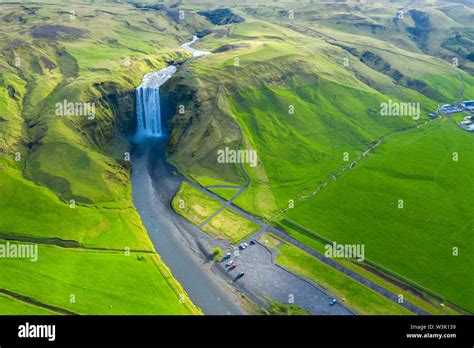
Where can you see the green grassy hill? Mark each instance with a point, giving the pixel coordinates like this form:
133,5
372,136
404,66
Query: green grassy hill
307,96
63,179
302,83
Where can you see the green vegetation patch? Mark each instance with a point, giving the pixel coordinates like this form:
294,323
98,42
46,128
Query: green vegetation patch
410,205
231,226
193,204
12,306
97,282
355,295
34,211
422,300
217,253
277,308
226,193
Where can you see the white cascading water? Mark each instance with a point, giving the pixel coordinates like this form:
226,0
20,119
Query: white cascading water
148,96
148,102
148,111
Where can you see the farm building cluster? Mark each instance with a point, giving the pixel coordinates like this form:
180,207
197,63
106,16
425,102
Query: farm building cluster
466,106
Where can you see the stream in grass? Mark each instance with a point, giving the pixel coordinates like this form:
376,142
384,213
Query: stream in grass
154,183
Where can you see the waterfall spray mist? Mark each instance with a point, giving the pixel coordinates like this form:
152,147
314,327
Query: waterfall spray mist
148,102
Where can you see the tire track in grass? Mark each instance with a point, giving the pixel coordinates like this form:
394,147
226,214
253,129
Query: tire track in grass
62,243
36,303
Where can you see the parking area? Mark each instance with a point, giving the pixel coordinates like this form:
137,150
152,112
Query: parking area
262,276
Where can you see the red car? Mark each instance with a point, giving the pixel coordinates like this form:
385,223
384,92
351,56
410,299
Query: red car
233,266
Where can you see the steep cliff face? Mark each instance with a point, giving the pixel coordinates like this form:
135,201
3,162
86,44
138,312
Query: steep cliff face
202,125
115,101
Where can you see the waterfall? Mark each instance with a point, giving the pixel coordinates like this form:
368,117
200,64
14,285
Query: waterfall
147,97
148,111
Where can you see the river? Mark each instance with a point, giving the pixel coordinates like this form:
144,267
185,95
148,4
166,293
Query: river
154,183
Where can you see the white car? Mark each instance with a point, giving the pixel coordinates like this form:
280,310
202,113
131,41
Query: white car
230,262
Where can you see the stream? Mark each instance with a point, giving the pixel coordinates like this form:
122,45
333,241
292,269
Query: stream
154,183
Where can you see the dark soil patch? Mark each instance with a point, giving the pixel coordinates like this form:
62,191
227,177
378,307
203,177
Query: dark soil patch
221,16
47,63
55,31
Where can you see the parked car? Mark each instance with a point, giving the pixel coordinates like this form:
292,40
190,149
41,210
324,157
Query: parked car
230,262
242,246
233,266
245,245
253,241
226,256
240,275
332,302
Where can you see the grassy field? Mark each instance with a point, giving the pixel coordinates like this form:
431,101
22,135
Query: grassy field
417,167
356,296
12,306
423,300
87,282
277,308
194,205
197,207
118,228
231,226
